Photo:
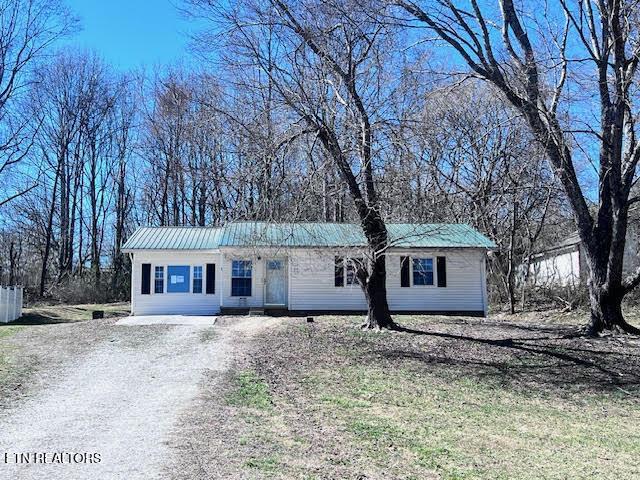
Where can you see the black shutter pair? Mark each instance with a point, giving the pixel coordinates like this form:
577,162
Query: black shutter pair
146,278
405,271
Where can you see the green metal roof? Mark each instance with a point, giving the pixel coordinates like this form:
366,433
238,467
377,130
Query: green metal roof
434,235
303,234
174,238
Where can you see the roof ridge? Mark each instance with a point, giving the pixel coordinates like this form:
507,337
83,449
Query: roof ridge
181,226
304,234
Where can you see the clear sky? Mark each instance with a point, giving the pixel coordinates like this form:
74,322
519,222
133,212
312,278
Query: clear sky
133,33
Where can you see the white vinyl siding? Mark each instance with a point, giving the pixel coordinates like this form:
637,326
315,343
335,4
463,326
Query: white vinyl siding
311,282
173,303
465,290
561,269
257,278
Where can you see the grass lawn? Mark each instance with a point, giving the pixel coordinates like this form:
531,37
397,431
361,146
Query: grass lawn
458,398
70,313
6,351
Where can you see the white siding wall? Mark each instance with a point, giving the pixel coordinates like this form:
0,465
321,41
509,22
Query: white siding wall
311,284
565,267
465,290
561,269
174,303
257,279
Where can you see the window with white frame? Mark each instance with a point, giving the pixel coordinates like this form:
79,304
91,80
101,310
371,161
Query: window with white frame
197,279
423,271
159,280
241,278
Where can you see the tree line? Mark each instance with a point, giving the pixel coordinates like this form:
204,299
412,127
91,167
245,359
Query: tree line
344,111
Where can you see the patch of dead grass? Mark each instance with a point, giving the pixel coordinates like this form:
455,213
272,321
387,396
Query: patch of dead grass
458,398
62,313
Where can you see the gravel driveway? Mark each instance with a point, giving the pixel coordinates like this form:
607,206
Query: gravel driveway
120,399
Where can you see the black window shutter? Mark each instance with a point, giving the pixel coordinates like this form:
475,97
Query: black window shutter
442,271
146,279
339,272
211,278
404,272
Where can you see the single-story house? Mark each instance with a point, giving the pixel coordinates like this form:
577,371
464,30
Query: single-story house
303,267
564,263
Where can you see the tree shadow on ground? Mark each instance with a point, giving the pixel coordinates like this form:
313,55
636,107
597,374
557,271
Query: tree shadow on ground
38,319
557,359
57,314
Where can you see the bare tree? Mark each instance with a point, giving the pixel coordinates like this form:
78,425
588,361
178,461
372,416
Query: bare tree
79,144
27,30
124,116
537,73
488,171
326,62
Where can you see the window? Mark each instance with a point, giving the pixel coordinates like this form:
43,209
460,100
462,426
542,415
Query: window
178,278
197,279
345,271
423,271
241,278
159,280
352,265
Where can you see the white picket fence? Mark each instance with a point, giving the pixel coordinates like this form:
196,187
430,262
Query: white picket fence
10,304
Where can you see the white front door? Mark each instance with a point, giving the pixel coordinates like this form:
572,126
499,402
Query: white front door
276,282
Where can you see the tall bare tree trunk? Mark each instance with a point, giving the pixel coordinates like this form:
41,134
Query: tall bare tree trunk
605,41
49,234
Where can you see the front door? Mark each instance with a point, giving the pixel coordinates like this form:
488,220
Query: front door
276,282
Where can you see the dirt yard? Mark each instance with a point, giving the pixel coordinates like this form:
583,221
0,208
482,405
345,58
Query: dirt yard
506,398
456,398
98,387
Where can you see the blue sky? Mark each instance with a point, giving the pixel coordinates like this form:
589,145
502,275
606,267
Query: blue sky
133,33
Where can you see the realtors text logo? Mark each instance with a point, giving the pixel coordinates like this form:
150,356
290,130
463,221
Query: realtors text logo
51,457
